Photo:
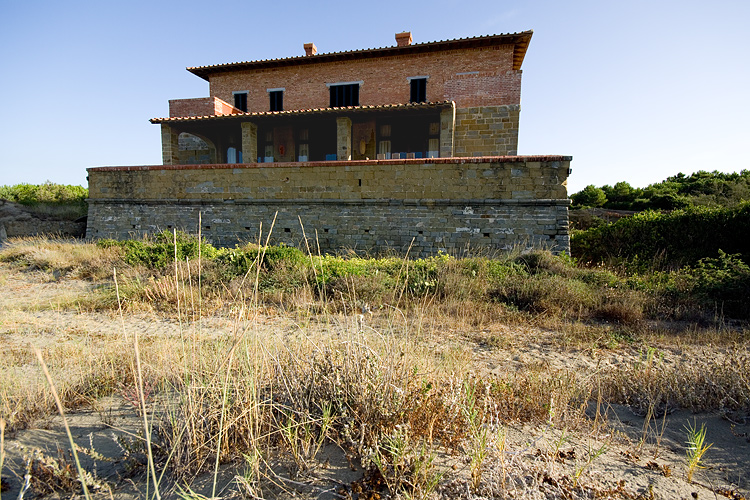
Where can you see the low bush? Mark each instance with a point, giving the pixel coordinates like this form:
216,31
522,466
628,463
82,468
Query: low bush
653,240
535,284
162,250
715,287
30,194
714,189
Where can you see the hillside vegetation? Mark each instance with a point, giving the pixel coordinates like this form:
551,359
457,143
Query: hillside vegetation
30,194
54,200
709,189
688,242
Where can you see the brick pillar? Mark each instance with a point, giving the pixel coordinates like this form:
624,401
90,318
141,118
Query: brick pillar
343,138
170,146
249,142
447,125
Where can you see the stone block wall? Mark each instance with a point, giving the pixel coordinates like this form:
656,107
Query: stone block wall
486,131
422,227
194,150
438,204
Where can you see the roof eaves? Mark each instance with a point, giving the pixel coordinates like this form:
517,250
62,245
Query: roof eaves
311,111
520,40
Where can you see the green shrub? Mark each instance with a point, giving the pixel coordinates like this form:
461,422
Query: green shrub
239,260
31,194
539,262
590,196
721,284
666,241
159,252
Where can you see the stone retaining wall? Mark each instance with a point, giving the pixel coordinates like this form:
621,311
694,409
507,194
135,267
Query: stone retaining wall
19,221
448,204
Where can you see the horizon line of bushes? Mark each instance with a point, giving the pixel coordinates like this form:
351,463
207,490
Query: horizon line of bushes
667,240
536,283
702,188
47,193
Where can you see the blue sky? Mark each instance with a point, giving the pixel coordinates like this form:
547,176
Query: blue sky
634,91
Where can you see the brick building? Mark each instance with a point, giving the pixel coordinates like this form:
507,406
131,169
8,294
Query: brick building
408,146
441,99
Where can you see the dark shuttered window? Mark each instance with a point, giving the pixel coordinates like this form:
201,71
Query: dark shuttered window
240,101
344,95
418,90
277,100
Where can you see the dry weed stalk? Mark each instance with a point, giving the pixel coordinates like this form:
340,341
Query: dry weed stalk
61,411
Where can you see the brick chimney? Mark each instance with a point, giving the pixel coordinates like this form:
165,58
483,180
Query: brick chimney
310,49
403,39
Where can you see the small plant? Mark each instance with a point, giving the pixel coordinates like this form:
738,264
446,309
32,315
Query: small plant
478,438
49,474
301,438
696,448
593,454
130,394
405,465
564,438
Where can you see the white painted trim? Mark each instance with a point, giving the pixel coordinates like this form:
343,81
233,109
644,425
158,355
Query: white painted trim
410,78
468,73
280,89
235,92
360,83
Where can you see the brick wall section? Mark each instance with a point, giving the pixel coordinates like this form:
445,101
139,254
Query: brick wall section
486,131
443,204
484,88
487,79
200,106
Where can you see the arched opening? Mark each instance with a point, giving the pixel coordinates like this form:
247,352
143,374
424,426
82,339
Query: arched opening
196,150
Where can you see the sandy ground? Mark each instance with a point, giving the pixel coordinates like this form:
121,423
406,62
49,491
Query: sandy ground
30,317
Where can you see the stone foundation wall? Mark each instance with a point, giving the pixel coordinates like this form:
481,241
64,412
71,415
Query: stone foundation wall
447,204
19,221
371,226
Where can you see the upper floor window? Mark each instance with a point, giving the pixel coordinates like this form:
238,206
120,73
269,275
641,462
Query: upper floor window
240,100
418,89
276,98
344,94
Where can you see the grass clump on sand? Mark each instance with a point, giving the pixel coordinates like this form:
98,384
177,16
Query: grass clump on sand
362,364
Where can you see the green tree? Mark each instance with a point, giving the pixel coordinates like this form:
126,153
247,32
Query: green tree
621,196
590,196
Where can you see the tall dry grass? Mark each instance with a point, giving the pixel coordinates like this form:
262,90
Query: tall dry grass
341,376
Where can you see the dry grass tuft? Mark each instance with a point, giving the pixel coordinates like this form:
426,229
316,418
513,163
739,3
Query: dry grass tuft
353,369
62,257
703,382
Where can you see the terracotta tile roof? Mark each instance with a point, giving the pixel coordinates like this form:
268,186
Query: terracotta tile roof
296,112
520,41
